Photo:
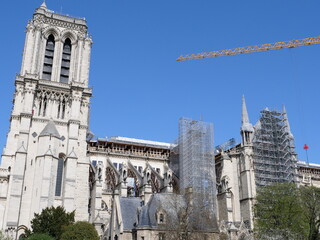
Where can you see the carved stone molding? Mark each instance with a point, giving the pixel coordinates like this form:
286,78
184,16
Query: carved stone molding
16,117
51,19
72,121
26,115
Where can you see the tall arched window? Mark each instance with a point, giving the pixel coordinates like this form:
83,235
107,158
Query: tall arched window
48,58
59,176
44,107
65,63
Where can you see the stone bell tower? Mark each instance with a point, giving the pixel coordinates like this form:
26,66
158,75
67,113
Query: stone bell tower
44,160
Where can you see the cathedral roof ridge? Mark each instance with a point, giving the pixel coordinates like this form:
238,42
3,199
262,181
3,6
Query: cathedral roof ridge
310,165
140,141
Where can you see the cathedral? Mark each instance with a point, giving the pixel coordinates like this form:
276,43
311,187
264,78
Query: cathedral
45,159
127,188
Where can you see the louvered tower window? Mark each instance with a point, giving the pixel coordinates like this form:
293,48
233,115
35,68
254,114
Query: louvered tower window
65,63
48,58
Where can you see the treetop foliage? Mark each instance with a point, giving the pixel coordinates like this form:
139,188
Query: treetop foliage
284,211
80,231
51,221
310,197
40,236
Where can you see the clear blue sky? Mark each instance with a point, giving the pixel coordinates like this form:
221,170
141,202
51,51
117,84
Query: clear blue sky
140,91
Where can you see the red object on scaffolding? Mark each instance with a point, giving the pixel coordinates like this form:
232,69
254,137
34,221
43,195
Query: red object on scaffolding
306,147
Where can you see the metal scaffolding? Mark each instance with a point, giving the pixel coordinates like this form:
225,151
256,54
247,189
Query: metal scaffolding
273,149
196,158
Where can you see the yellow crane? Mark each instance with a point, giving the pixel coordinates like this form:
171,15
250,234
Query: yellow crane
250,49
254,48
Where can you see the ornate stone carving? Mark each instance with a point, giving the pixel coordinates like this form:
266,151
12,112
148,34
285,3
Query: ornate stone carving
67,33
76,96
19,89
58,23
30,27
51,30
38,19
225,184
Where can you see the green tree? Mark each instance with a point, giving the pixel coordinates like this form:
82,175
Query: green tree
279,213
40,236
51,221
80,231
310,197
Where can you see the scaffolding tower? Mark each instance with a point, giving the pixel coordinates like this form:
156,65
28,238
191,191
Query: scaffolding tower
196,159
274,155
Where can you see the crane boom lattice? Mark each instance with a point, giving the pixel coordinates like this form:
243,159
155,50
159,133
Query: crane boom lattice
250,49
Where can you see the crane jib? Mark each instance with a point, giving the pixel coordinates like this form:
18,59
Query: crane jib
255,48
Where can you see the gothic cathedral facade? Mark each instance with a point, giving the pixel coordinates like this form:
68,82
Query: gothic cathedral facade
48,125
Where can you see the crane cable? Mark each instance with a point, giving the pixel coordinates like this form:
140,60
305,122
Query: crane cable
298,96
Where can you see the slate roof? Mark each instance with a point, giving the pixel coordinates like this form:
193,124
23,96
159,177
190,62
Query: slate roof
168,202
140,217
50,129
133,215
129,210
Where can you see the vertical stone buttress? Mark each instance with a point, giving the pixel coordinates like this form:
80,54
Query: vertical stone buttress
228,189
45,153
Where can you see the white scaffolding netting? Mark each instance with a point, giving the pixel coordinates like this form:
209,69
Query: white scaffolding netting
196,162
273,149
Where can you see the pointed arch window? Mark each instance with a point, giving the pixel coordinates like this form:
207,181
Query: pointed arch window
65,63
43,100
59,177
48,58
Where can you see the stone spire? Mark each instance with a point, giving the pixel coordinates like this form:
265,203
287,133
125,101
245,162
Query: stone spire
44,5
286,121
245,123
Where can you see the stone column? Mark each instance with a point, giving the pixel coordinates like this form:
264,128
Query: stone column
29,91
77,63
69,189
36,48
85,62
56,61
